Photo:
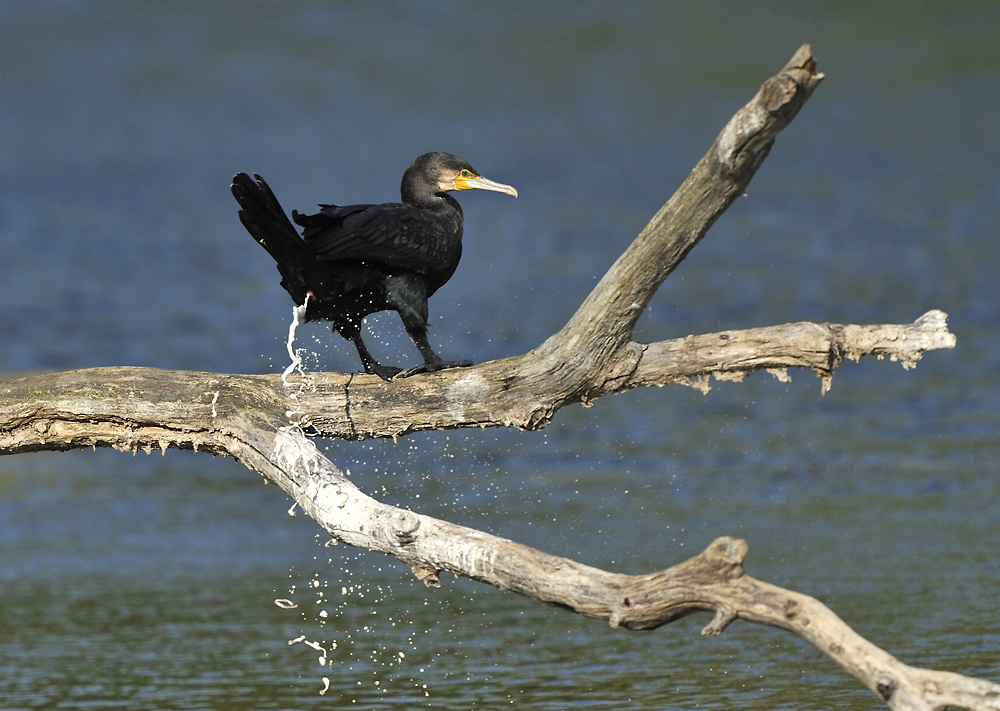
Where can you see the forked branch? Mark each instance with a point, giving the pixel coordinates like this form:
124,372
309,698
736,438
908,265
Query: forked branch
262,421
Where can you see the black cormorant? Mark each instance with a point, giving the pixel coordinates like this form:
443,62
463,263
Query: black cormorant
355,260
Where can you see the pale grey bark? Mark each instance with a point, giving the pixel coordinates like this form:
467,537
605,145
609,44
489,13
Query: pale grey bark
263,421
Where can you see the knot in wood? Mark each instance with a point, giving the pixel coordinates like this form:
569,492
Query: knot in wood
404,527
778,91
551,564
792,609
729,552
886,687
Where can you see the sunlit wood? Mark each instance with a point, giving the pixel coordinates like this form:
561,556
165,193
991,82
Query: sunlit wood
266,422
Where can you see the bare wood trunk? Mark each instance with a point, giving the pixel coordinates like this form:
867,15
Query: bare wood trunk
262,421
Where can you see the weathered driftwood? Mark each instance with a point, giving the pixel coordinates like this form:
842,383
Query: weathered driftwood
147,408
262,421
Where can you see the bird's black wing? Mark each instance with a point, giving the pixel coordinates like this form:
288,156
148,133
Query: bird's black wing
398,236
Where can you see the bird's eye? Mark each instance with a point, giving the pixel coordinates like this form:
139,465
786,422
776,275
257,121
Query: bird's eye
464,173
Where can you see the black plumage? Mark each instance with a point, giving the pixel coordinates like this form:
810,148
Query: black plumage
358,259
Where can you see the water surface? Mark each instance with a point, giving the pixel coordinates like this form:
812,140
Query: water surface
149,582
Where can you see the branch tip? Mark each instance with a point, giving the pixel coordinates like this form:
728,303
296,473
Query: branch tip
724,616
803,59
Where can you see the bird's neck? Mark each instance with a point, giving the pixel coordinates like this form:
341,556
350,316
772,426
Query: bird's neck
441,204
451,204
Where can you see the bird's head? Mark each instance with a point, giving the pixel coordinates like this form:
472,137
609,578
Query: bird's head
446,172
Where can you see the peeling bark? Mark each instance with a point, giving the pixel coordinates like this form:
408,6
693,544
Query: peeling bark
263,421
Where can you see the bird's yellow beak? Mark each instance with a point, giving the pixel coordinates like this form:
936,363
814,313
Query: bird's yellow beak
477,182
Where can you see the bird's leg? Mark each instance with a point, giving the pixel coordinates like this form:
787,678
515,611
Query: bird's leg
386,372
407,295
431,362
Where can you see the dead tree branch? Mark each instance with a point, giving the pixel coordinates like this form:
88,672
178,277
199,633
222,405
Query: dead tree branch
167,408
263,422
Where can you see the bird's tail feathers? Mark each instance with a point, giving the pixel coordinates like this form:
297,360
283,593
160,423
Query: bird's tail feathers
266,221
262,214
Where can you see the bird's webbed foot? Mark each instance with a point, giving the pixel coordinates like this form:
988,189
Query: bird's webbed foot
426,367
386,372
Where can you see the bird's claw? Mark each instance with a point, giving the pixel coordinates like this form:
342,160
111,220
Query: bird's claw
434,367
386,372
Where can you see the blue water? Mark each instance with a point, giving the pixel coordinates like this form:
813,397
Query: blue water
149,582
